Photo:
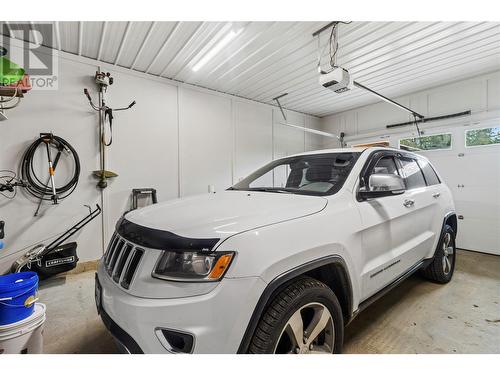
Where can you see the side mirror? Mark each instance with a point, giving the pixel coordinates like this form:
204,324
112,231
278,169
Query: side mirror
382,185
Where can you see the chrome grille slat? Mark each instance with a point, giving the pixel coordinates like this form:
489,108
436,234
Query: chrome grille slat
121,260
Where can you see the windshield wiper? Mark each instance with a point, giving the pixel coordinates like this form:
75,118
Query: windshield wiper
263,189
269,190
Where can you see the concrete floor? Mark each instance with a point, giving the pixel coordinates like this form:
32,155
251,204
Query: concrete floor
417,317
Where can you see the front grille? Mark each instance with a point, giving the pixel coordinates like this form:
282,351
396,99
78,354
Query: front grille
121,260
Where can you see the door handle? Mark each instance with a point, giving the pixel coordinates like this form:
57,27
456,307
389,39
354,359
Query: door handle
408,202
436,195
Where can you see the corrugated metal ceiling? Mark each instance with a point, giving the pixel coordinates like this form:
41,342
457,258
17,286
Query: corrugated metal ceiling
270,58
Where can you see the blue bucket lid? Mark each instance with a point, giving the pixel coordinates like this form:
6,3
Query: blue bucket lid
16,281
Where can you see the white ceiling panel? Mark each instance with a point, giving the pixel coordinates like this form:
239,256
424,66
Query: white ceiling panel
194,46
92,32
180,36
153,43
266,59
112,38
249,33
227,66
137,34
69,36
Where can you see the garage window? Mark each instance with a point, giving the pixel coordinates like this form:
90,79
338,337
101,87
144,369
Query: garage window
482,137
426,143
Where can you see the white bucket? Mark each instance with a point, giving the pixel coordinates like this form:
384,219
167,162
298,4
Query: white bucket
25,336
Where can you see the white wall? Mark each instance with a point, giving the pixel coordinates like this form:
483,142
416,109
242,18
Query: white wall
253,137
205,141
178,139
65,113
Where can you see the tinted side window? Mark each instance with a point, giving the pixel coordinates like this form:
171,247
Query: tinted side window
430,175
413,174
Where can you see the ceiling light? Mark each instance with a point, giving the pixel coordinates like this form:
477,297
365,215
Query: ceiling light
218,47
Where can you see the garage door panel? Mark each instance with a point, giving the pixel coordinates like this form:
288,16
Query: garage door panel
485,235
480,168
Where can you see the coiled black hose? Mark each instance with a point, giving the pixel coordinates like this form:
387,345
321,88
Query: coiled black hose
43,190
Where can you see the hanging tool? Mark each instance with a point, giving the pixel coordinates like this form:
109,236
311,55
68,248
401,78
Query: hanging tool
103,81
60,148
47,139
49,191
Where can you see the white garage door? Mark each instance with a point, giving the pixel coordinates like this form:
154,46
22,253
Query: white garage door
473,174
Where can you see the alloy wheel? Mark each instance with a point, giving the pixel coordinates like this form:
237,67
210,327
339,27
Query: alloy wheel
309,330
448,254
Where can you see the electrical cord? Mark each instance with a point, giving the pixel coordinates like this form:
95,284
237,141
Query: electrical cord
9,182
39,189
333,41
333,47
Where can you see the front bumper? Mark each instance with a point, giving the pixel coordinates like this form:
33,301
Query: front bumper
217,320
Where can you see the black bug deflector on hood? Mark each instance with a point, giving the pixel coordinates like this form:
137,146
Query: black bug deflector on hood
161,239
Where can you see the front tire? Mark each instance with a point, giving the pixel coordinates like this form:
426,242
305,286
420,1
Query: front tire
443,265
304,318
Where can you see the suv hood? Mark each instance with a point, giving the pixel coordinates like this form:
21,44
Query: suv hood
224,214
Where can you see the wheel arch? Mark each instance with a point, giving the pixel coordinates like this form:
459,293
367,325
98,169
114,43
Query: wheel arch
451,220
331,270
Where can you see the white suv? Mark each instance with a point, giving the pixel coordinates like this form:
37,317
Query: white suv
281,261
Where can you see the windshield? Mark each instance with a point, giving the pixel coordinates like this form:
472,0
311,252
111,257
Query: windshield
317,174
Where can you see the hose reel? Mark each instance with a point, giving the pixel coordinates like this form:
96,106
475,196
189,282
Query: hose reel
48,190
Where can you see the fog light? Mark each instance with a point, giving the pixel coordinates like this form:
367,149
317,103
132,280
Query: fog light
175,341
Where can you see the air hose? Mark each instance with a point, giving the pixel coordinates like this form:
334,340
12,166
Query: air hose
39,189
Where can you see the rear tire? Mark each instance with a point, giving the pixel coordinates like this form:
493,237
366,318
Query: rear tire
443,265
304,318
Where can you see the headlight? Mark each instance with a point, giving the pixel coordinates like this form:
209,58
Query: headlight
192,265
